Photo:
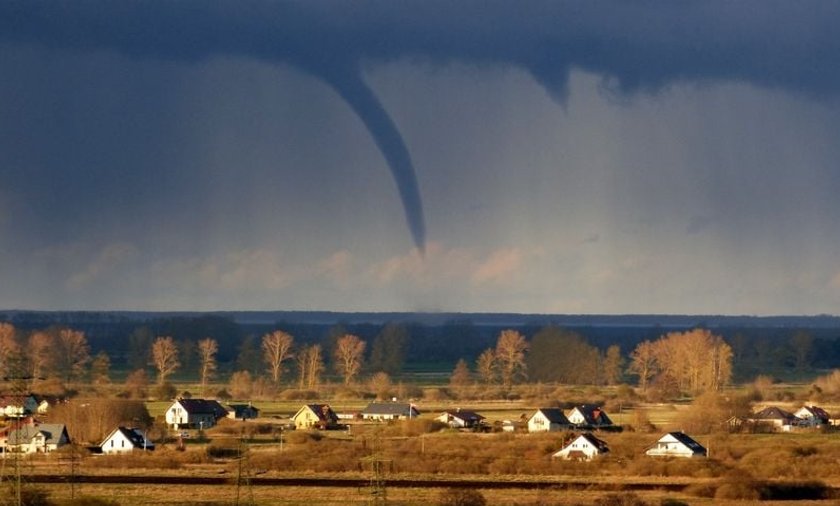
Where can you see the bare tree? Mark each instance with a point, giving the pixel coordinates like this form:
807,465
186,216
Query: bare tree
460,378
302,362
510,355
165,357
643,363
277,348
314,367
136,384
71,354
349,351
695,361
310,365
8,347
38,353
486,366
380,384
207,349
241,385
100,369
613,365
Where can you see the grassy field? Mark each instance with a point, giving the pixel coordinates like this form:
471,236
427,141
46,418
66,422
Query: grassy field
516,468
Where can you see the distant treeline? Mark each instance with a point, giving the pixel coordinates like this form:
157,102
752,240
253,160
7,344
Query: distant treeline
127,338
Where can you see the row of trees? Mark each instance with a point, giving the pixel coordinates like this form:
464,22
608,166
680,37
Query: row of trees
278,350
679,362
60,353
694,362
689,362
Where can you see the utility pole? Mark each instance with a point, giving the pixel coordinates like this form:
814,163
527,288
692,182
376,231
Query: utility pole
243,472
19,381
378,465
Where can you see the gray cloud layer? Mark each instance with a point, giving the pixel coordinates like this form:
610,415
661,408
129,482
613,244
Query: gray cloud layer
633,45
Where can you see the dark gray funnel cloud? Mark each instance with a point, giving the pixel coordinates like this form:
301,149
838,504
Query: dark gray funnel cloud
633,46
358,95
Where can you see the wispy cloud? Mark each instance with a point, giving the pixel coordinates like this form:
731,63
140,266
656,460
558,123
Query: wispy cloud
500,267
245,270
109,258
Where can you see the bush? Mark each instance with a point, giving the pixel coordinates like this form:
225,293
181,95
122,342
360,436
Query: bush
32,497
224,449
165,392
436,394
461,497
301,436
738,491
794,491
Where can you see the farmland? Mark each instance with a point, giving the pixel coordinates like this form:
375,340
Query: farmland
260,465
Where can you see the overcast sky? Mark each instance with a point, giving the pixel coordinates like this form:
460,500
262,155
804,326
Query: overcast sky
537,157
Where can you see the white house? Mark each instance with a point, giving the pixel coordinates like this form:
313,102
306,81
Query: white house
194,413
319,416
461,419
125,440
589,415
775,418
548,420
676,444
812,416
389,411
18,407
583,447
35,438
242,411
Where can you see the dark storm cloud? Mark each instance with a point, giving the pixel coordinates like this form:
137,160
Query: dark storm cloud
632,45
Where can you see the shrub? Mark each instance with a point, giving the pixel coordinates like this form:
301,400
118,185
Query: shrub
737,491
225,449
33,497
436,394
301,436
461,497
792,491
165,392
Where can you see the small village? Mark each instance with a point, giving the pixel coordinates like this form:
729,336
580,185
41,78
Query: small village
24,433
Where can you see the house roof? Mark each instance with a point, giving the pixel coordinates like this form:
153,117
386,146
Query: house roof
240,408
323,411
553,415
134,436
390,408
593,414
594,441
774,413
465,415
52,433
817,412
16,400
202,407
685,440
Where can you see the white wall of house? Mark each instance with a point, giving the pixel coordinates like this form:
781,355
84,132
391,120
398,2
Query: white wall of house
539,423
305,418
451,420
579,446
668,446
117,443
178,417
